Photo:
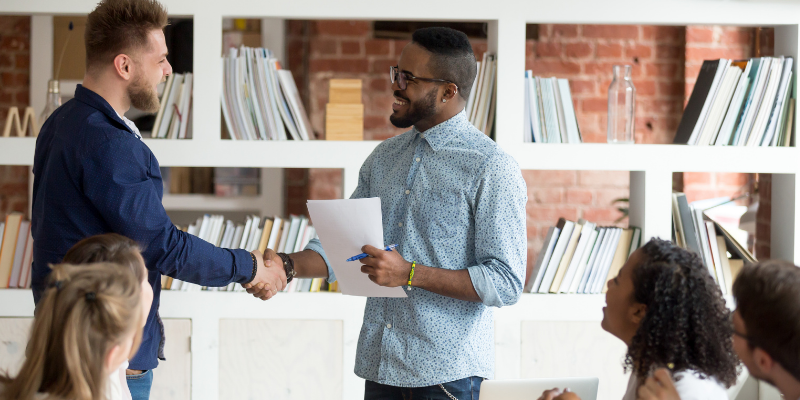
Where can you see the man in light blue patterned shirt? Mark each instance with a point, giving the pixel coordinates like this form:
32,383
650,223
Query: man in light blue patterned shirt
455,204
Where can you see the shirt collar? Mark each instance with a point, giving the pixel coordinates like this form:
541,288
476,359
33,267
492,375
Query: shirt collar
96,101
441,134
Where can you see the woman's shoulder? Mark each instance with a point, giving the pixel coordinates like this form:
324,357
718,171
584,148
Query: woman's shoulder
692,385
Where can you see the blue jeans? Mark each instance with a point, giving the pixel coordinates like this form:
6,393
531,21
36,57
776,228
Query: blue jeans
462,389
140,385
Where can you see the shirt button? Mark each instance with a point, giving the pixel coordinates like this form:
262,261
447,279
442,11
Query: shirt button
422,136
389,326
418,159
408,191
400,224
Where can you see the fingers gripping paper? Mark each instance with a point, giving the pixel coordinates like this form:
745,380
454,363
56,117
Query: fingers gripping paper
344,226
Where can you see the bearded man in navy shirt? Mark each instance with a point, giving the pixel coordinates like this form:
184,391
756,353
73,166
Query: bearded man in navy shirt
93,174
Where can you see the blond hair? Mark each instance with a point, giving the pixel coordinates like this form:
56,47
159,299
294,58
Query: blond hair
85,312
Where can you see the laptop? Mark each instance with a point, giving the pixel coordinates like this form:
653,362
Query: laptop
526,389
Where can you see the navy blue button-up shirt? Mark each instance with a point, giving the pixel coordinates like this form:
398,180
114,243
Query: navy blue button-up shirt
92,175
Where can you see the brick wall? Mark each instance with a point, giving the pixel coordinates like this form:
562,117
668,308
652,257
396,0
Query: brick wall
14,92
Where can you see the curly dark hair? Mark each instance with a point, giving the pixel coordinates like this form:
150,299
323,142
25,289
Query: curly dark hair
686,323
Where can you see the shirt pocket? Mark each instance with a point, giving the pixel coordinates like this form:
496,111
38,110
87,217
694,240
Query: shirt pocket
441,213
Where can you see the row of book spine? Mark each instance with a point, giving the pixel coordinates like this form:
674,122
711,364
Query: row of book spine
741,103
482,100
255,233
16,252
580,257
693,230
549,111
172,120
260,100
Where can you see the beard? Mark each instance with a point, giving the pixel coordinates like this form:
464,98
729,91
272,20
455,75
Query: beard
417,111
143,96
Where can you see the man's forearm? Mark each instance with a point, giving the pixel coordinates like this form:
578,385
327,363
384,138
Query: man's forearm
455,284
309,264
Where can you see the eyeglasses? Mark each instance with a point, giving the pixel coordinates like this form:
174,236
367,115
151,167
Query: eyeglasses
737,333
402,78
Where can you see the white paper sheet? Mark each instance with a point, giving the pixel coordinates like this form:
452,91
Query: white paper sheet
343,227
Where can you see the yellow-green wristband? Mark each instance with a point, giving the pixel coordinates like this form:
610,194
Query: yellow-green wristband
411,275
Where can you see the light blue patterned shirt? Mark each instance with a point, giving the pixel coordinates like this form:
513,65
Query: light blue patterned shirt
452,199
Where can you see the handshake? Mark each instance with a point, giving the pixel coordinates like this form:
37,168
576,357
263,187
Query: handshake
270,275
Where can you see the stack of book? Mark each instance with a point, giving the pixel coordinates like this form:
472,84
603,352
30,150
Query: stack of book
282,235
549,111
172,120
16,252
260,100
580,257
695,231
741,103
482,99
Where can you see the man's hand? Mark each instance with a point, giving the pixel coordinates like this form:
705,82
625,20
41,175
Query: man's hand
386,268
269,280
558,394
659,386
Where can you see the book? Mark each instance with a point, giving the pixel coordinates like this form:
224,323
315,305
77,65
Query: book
274,235
635,241
566,259
571,121
720,106
599,246
780,100
550,112
705,250
725,265
737,102
8,247
767,103
677,223
754,102
284,236
302,235
265,233
697,107
162,109
687,221
620,256
584,262
586,231
25,275
169,104
19,253
599,278
716,256
558,252
539,268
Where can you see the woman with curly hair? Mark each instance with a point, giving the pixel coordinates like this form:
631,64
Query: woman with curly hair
670,313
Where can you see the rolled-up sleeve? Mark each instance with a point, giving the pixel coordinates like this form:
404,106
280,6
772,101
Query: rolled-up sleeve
500,239
117,182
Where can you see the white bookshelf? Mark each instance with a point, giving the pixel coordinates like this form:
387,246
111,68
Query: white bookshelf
650,166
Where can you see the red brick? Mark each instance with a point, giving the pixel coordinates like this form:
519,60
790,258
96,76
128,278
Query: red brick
399,45
662,70
732,179
579,196
618,179
699,34
14,43
382,66
611,31
22,99
670,88
545,195
640,51
645,87
557,67
338,27
669,52
380,84
696,178
378,47
564,31
578,87
710,53
740,37
479,47
663,34
609,50
551,214
594,105
602,215
548,49
537,178
373,122
6,61
352,66
578,50
295,27
609,196
322,46
351,47
23,62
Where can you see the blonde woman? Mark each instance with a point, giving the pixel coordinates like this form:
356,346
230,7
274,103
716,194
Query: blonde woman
88,322
126,253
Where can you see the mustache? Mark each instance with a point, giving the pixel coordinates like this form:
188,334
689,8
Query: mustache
397,94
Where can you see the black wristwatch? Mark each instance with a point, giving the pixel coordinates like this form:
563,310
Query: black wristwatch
288,266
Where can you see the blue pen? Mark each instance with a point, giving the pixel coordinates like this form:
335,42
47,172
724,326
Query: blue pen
365,255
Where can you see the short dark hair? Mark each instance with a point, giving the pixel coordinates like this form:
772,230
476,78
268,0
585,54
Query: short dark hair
120,26
108,247
687,323
452,58
767,297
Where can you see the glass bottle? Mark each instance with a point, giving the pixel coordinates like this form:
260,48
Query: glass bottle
621,106
53,100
